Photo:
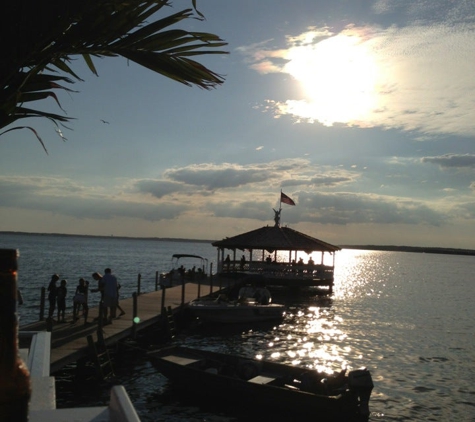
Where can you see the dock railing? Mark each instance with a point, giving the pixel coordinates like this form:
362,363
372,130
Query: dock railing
283,270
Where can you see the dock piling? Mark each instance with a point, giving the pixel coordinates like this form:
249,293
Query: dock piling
42,304
183,292
162,308
139,281
134,315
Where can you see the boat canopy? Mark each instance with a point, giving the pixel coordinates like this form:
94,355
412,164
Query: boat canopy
181,255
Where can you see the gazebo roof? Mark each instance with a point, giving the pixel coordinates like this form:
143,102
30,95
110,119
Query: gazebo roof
276,238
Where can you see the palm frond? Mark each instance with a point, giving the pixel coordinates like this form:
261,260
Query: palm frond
52,33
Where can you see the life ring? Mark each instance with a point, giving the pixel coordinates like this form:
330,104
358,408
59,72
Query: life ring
248,370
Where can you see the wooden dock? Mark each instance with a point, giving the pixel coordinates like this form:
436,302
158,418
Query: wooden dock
69,341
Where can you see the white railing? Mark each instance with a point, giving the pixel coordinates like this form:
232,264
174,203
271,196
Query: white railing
43,398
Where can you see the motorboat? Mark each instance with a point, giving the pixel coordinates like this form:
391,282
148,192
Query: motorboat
285,389
185,267
224,311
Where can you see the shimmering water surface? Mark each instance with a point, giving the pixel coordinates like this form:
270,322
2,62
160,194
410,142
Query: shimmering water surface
407,317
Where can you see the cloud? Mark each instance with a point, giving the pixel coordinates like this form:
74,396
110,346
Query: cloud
229,175
225,175
157,188
452,160
344,208
413,78
466,210
229,191
65,197
328,180
241,208
426,11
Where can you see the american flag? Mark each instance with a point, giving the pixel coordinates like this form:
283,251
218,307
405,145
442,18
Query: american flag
285,199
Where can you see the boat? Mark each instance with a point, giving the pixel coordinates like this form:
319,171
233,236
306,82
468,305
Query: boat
260,384
184,267
224,311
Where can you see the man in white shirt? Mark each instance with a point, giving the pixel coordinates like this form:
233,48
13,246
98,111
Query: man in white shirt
110,292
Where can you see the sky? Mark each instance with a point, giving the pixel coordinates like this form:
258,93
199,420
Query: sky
362,112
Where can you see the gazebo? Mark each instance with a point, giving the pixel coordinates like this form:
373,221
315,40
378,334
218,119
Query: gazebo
260,256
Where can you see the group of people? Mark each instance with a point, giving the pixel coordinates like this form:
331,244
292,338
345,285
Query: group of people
227,262
108,287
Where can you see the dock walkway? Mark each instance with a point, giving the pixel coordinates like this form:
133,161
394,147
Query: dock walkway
69,341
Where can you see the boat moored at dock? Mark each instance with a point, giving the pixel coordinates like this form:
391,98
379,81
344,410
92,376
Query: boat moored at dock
263,384
185,267
223,311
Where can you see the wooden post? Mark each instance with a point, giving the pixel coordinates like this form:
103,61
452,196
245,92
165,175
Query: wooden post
139,278
42,304
211,278
199,289
162,309
210,285
134,315
100,321
49,324
182,291
156,280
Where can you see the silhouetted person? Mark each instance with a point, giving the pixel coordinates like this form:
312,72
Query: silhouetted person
62,291
52,294
110,292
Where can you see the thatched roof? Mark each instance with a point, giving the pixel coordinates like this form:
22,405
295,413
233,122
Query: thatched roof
276,238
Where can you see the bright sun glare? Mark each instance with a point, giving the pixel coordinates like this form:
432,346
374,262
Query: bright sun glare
338,76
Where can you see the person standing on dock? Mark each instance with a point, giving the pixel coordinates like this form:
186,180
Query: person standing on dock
61,298
100,288
52,293
110,292
80,300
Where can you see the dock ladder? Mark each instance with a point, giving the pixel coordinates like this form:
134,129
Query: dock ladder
170,323
101,357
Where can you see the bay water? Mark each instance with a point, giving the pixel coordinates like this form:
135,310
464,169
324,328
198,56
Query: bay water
407,317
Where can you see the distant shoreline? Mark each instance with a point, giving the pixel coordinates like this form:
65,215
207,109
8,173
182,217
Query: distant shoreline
389,248
160,239
417,249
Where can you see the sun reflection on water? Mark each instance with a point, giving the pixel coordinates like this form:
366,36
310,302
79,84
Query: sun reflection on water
353,269
316,334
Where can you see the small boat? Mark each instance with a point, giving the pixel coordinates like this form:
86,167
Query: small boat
185,267
223,311
259,384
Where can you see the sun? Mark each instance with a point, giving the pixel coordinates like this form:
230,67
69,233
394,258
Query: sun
338,76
